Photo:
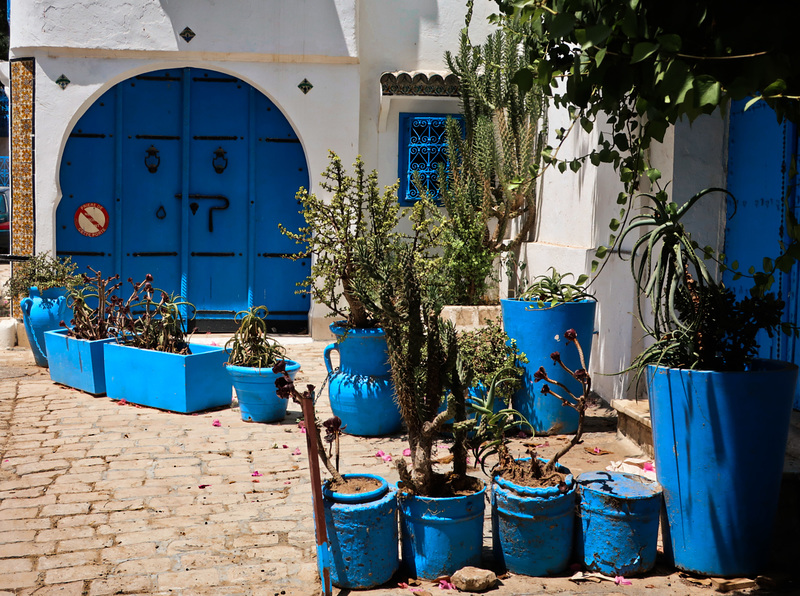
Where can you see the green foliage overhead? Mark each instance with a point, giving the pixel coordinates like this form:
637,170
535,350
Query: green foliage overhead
42,271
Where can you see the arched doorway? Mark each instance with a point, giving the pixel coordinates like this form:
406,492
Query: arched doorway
185,174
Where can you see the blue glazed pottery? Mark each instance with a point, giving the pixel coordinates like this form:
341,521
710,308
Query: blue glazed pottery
256,394
618,533
719,440
362,531
361,390
532,527
43,311
539,332
439,536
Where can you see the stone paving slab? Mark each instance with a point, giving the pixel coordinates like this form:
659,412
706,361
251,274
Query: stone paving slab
99,498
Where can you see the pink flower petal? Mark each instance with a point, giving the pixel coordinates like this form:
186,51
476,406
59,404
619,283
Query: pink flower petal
213,343
648,467
406,451
621,581
203,485
216,423
379,453
446,585
256,473
296,451
387,457
121,402
287,482
596,450
285,446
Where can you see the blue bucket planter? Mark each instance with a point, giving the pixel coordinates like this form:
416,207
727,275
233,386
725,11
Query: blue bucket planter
41,312
618,533
538,333
719,441
174,382
532,527
255,391
361,389
362,531
439,536
77,363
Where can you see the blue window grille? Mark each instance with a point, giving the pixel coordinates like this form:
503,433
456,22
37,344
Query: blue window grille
5,178
423,147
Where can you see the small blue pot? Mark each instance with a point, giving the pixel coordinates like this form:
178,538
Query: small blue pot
362,531
361,389
532,528
441,535
618,533
538,333
77,363
255,391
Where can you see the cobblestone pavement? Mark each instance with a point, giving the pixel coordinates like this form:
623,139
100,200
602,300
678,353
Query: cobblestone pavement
99,498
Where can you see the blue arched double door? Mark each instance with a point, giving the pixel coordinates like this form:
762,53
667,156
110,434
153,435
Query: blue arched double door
185,174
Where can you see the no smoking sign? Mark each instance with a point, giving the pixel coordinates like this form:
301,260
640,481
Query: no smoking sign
91,219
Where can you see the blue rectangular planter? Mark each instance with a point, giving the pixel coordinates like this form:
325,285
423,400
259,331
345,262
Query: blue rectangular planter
76,363
173,382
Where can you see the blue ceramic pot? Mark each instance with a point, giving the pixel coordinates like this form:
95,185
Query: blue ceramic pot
532,527
43,311
362,531
439,536
719,440
255,391
538,333
361,390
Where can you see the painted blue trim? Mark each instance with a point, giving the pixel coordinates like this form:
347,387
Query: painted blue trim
118,190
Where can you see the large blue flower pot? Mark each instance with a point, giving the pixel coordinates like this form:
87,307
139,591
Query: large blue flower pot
256,393
538,333
174,382
362,532
719,441
361,389
618,533
77,363
43,311
439,536
532,527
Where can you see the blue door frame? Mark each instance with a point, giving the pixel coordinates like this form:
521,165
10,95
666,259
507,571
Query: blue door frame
760,152
195,170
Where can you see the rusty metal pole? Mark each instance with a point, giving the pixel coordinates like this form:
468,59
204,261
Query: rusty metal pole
323,548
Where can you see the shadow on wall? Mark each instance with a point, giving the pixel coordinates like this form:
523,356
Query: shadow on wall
300,27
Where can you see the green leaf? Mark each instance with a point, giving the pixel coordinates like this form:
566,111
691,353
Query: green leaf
560,25
582,279
594,266
767,264
598,57
523,79
775,88
614,224
735,265
601,252
595,35
708,90
643,50
657,129
587,124
752,102
622,199
670,42
653,175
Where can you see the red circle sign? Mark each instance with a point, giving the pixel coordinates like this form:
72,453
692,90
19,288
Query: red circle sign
91,219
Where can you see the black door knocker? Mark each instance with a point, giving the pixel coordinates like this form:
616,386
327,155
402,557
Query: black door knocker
152,160
161,213
220,162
